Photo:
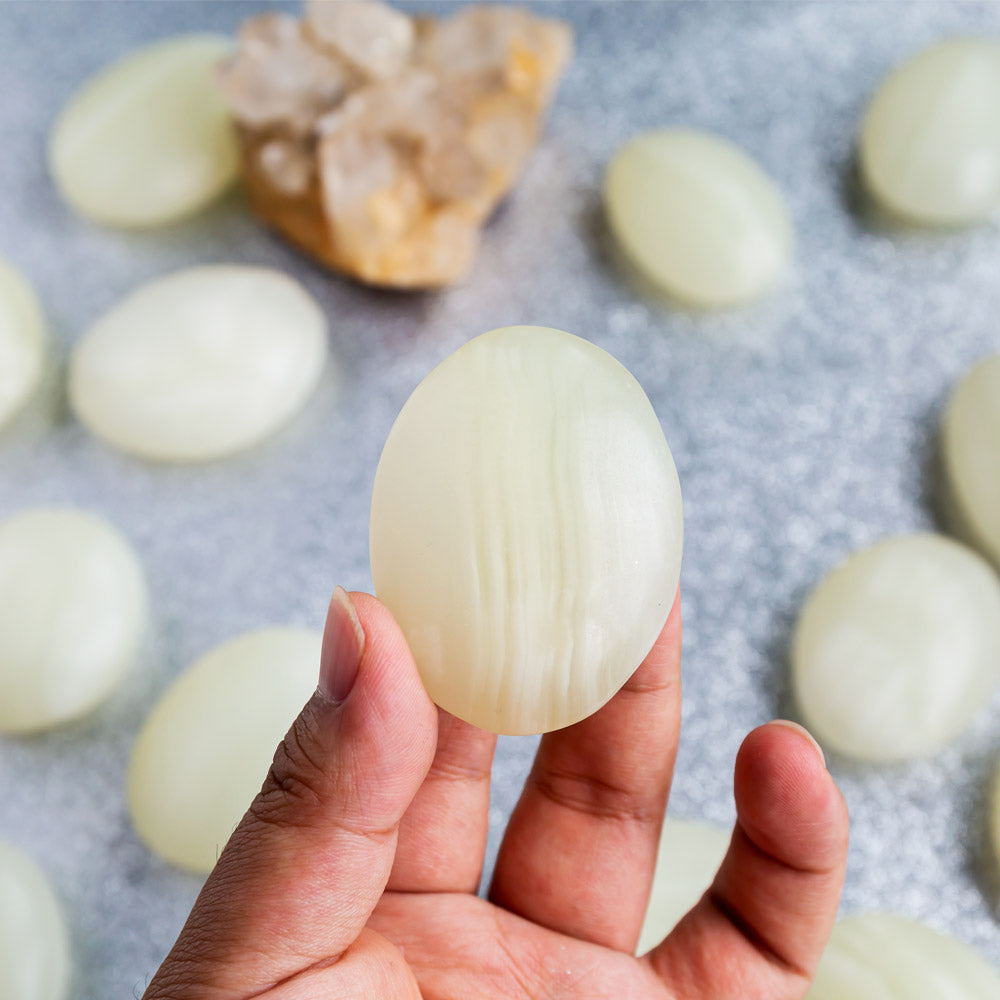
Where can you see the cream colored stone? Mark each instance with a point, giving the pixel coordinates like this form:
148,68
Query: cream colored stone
881,956
930,141
204,751
22,341
994,816
898,648
72,614
690,854
148,139
381,144
970,446
199,364
526,529
34,944
697,217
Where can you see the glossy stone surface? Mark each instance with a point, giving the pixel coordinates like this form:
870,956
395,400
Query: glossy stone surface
72,613
970,450
34,944
689,856
930,140
199,364
526,529
148,139
206,747
697,216
22,341
881,956
898,648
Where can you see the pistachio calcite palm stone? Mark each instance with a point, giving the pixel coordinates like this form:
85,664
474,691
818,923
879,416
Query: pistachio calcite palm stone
526,529
380,143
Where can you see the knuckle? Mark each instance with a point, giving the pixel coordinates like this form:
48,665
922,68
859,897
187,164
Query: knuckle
298,781
591,796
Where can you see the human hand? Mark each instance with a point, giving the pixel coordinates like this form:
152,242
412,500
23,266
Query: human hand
353,875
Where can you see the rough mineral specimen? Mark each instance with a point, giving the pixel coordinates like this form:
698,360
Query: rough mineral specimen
380,143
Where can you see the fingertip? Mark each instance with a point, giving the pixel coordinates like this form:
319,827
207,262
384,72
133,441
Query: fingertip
775,897
389,686
786,800
804,733
343,647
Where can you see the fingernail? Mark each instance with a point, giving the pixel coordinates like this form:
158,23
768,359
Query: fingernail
804,732
343,644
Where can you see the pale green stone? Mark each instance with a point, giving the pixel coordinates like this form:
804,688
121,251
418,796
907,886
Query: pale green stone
72,614
697,216
199,364
930,140
34,944
970,447
526,529
898,648
22,341
206,747
148,139
689,855
881,956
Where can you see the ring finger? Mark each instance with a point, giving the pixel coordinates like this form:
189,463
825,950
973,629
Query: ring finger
580,849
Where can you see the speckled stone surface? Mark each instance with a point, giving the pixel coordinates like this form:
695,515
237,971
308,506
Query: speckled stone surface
802,427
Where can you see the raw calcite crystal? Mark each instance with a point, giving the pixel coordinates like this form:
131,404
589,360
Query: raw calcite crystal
380,143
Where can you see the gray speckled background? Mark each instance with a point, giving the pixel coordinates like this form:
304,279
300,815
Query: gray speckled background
802,427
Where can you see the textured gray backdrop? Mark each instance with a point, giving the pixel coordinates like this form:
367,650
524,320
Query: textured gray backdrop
802,427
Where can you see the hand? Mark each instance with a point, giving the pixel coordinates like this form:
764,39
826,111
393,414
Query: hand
353,875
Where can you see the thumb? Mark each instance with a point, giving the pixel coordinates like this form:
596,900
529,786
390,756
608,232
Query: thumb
303,871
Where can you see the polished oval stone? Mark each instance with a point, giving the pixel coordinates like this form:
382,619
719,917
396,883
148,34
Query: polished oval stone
970,449
22,341
199,364
73,611
994,817
526,529
148,139
930,141
205,749
690,854
898,648
34,944
697,216
881,956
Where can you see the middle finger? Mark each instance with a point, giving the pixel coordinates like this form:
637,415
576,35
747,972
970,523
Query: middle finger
442,836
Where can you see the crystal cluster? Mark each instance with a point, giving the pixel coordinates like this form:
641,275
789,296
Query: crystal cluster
380,143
